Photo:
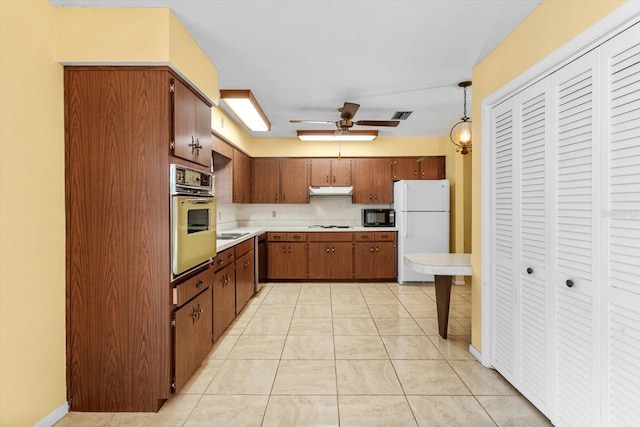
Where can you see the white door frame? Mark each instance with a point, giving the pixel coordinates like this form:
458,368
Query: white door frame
617,21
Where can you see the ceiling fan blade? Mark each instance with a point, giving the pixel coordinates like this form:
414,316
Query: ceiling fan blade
327,122
348,110
387,123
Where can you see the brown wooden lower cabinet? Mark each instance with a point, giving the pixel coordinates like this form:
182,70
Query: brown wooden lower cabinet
375,255
245,275
287,260
224,299
192,336
331,256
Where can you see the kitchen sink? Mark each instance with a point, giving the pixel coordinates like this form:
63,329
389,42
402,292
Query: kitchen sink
230,236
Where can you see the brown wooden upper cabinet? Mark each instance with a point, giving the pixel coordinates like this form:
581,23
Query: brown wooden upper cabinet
191,139
433,167
331,172
430,167
241,177
372,180
280,180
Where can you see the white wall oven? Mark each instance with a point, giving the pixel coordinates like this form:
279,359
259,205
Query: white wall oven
193,218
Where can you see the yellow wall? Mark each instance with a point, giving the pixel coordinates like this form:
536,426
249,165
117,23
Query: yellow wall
32,222
34,38
137,36
550,26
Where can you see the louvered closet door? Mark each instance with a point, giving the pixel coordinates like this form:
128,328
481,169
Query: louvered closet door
621,229
576,262
504,289
536,297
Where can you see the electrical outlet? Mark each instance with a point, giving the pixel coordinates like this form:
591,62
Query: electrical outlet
273,214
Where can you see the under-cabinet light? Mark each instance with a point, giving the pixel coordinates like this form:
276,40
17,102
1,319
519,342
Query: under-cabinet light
330,135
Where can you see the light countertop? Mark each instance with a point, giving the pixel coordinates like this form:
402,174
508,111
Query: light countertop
440,264
256,231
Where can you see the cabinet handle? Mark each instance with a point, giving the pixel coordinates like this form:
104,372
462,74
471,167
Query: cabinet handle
364,237
333,250
370,196
326,179
371,248
377,249
199,284
569,283
529,270
327,249
220,261
276,197
334,179
284,197
284,249
289,249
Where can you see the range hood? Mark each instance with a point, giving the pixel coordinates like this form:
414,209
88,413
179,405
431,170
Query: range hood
330,191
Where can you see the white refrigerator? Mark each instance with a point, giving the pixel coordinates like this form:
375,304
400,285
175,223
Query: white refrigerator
422,219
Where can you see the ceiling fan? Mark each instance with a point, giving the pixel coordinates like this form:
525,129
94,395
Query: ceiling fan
347,111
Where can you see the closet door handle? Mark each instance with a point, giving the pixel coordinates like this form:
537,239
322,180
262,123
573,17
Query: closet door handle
569,283
529,270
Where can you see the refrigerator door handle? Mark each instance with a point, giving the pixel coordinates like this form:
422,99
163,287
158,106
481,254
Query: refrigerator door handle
406,223
405,197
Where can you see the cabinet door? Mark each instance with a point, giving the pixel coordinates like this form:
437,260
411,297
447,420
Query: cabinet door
191,125
192,336
224,299
202,132
321,172
266,180
241,177
406,168
245,274
432,167
320,260
383,182
363,181
184,120
364,260
341,260
294,181
385,260
341,173
287,260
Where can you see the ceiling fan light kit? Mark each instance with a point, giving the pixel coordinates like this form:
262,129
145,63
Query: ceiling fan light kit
461,132
340,135
245,106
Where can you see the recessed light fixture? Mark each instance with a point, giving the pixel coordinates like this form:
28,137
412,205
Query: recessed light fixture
246,108
330,135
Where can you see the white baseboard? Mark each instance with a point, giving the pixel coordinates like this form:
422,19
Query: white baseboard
475,353
54,416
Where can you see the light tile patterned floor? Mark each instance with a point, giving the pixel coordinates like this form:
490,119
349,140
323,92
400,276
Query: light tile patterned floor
340,354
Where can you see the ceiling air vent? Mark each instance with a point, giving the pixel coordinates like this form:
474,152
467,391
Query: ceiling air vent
401,115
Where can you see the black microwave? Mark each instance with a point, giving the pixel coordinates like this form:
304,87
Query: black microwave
378,218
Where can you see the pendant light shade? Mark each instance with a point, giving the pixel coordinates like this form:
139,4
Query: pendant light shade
461,132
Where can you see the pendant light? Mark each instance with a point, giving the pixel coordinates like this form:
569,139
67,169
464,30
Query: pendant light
461,132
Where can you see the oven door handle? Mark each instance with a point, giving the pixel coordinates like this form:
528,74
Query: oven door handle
201,201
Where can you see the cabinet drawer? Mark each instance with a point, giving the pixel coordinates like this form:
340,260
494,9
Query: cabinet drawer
331,237
365,236
286,237
223,259
191,287
244,247
385,236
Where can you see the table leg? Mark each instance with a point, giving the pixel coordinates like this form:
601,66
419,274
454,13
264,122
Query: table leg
443,296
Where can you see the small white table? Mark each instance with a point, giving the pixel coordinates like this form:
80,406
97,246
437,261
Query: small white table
443,267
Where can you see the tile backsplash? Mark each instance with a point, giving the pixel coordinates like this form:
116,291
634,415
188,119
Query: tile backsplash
328,210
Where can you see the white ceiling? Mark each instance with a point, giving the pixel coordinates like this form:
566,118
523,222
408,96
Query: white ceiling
303,58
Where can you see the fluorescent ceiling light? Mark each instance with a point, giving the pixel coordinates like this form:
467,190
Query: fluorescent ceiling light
330,135
246,108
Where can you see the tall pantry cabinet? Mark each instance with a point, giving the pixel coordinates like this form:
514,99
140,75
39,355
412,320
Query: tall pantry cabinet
566,238
118,134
